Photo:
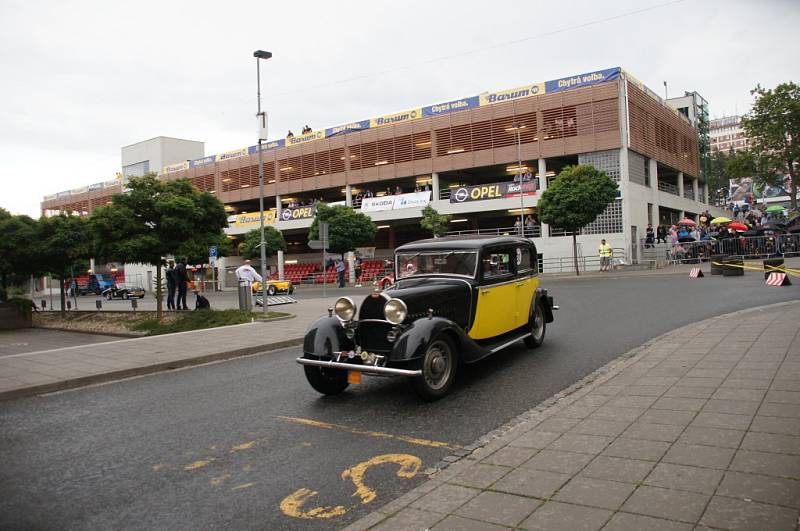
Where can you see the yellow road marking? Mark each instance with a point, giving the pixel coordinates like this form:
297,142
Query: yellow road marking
243,446
243,486
158,467
219,480
376,434
409,466
292,505
197,464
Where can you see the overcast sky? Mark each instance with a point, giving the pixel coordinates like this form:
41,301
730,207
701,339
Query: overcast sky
82,79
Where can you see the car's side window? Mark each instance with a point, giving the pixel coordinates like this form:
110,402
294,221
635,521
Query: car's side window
526,264
497,264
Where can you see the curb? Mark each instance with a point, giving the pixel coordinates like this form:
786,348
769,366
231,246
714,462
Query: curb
147,369
546,408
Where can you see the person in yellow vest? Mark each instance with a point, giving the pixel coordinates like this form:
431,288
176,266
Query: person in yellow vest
606,252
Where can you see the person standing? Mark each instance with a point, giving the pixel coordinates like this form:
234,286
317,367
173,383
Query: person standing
182,274
340,272
248,273
606,253
172,281
649,238
661,234
358,271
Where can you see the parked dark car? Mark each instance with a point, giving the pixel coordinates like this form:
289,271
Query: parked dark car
454,300
124,291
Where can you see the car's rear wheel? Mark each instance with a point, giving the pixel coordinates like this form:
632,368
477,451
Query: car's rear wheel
272,290
538,327
326,381
108,296
438,369
291,290
125,296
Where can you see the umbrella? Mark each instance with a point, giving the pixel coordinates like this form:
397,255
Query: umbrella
686,221
685,239
739,227
754,232
774,208
720,220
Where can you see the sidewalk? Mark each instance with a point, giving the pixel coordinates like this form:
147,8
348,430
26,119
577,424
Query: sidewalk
31,373
699,428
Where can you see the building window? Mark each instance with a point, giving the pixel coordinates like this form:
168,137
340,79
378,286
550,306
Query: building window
649,213
647,172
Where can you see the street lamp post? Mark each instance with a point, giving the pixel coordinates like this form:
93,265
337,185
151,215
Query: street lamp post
516,126
261,54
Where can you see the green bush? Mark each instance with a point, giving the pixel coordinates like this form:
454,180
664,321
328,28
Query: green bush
198,320
25,305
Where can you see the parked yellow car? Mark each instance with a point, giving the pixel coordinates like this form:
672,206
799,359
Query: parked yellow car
274,287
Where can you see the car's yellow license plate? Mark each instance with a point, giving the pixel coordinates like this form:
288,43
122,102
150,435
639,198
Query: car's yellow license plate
354,377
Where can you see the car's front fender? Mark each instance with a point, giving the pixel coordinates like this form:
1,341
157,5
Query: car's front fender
326,336
413,341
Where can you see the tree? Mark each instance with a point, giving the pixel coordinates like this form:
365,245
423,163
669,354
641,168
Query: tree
153,219
773,127
575,198
434,222
63,242
17,248
273,240
347,229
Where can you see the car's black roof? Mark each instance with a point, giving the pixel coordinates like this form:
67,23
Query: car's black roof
463,242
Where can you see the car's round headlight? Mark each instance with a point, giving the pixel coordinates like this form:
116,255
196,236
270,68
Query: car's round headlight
345,308
395,311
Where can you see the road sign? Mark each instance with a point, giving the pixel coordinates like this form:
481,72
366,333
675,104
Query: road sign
315,244
323,231
212,251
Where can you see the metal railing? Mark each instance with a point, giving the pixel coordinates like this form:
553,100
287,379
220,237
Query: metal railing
754,247
530,231
688,193
566,264
668,187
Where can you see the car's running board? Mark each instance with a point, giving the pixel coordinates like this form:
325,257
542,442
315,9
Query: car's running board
509,342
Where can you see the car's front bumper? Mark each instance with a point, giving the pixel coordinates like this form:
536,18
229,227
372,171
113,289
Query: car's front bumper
370,369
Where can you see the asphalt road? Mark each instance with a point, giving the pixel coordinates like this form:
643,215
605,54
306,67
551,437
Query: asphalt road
224,445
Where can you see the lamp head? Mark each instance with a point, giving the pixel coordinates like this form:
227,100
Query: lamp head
261,54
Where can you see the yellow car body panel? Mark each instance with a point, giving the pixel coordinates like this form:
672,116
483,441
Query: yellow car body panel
526,290
280,285
495,312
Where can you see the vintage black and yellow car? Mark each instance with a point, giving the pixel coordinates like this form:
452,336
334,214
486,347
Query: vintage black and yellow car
454,301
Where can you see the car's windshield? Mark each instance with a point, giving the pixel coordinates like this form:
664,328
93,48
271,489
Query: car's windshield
460,263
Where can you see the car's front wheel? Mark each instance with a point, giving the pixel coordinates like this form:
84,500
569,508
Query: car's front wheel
538,327
108,296
326,381
125,296
291,290
438,369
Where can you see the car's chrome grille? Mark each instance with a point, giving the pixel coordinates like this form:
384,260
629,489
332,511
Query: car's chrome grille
372,308
371,336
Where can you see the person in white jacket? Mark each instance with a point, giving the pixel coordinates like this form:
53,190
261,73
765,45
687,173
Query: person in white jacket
246,272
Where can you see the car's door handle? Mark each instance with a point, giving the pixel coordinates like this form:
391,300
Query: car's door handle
485,291
520,284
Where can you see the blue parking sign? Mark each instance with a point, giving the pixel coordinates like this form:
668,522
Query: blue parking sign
212,251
